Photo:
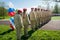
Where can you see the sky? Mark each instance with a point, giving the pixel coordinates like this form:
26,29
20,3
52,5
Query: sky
19,4
23,3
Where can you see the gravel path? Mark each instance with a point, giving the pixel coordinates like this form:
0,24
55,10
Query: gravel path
52,25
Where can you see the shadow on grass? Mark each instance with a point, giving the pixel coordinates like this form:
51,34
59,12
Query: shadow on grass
10,38
31,31
1,18
29,34
6,32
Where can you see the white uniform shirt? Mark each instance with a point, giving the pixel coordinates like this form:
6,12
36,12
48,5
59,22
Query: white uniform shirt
18,20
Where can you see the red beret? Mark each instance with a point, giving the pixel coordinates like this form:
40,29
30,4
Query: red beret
35,8
46,10
38,8
32,8
19,11
24,9
41,9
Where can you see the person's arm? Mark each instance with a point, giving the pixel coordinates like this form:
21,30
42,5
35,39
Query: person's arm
28,17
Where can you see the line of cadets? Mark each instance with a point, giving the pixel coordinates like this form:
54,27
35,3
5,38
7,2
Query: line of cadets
36,17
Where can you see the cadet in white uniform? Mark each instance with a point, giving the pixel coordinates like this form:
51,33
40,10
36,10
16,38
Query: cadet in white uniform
37,17
25,22
32,19
47,16
41,16
39,13
18,24
50,14
44,15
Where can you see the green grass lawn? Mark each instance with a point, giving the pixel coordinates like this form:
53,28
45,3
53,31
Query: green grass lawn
45,35
56,18
5,34
6,17
37,35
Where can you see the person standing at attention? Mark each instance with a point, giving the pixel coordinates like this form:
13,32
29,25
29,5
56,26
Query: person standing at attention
18,24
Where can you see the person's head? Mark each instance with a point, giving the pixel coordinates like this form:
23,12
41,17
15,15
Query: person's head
41,9
35,9
38,9
19,11
32,9
24,9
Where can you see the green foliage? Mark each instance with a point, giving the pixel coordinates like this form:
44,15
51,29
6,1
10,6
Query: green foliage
3,10
56,9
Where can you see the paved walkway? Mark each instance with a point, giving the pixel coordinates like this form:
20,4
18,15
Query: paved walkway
4,22
52,25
